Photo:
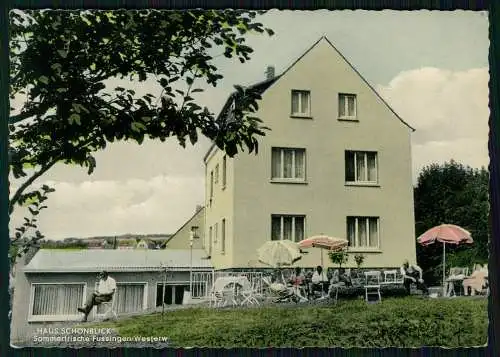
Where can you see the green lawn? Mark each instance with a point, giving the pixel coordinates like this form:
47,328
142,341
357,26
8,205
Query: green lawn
402,322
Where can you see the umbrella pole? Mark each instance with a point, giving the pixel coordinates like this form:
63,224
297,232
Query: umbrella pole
444,268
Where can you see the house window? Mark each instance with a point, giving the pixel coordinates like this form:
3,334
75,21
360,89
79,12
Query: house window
129,298
211,186
290,227
210,241
288,164
216,233
223,236
347,106
174,294
224,172
216,174
301,103
363,232
361,166
57,300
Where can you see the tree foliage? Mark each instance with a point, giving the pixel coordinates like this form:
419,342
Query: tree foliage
340,257
455,194
61,62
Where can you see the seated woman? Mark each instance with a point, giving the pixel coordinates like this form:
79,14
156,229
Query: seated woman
477,281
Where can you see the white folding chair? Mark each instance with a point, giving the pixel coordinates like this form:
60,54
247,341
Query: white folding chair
110,308
372,286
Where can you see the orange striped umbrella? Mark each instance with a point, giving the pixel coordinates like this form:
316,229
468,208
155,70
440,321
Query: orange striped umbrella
324,242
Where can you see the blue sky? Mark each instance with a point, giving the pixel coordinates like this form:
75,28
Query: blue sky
431,67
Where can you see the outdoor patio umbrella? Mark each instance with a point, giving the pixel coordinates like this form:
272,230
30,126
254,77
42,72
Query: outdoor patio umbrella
446,234
277,253
324,242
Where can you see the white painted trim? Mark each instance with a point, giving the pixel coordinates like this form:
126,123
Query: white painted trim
53,318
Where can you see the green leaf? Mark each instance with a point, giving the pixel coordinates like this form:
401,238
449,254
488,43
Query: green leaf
92,66
62,53
138,126
43,79
74,118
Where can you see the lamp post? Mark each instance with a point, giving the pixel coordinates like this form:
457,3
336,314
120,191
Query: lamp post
192,237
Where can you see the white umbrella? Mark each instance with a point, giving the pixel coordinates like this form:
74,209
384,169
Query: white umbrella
279,253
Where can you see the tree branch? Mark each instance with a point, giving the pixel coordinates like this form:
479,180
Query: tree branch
28,182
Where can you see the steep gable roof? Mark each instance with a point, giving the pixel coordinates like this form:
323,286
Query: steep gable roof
262,86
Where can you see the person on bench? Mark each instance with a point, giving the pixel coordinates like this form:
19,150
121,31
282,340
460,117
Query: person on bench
412,273
320,281
105,290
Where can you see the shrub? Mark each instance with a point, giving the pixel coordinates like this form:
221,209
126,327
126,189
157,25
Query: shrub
340,257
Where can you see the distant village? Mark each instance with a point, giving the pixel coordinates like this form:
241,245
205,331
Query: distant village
125,241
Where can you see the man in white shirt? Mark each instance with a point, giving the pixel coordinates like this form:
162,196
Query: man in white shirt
105,290
412,273
320,280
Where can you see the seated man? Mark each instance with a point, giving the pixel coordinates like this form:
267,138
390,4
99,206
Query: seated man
412,273
320,280
105,291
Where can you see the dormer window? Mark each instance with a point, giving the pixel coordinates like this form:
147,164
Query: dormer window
301,103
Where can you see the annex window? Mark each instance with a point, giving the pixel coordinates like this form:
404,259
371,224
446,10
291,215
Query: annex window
361,166
216,174
347,106
57,300
301,103
363,232
223,236
224,171
130,297
211,186
170,294
216,232
290,227
288,164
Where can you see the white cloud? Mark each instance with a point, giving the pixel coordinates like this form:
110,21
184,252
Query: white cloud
160,204
448,109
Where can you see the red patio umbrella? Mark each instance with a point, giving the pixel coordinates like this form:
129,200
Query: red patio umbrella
446,234
324,242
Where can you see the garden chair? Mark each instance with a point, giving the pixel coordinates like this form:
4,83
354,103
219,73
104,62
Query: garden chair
477,282
390,277
251,295
456,275
372,285
109,308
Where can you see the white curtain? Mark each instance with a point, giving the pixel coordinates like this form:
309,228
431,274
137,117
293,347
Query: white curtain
304,102
295,102
351,231
360,166
288,163
299,164
276,228
57,299
299,228
362,232
372,166
342,112
373,232
276,163
287,227
129,297
350,105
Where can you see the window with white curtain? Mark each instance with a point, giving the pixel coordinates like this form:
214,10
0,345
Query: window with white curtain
57,299
223,236
224,172
361,166
129,298
288,164
301,103
290,227
363,232
347,106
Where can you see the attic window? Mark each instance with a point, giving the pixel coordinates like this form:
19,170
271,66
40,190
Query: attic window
347,106
301,103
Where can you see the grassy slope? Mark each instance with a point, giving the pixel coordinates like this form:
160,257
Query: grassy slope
403,322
